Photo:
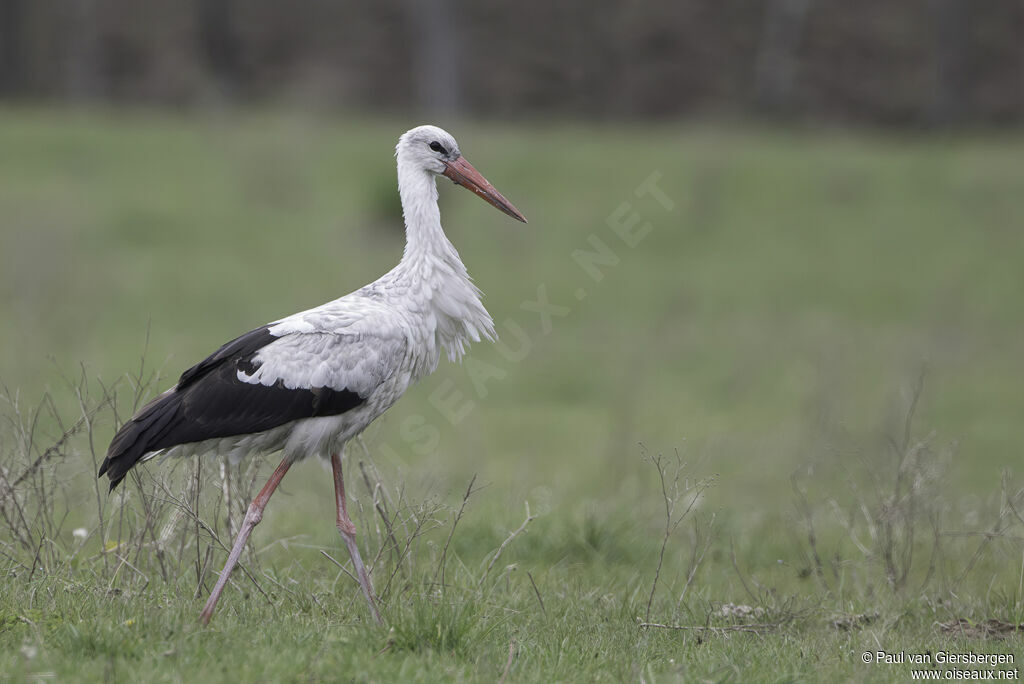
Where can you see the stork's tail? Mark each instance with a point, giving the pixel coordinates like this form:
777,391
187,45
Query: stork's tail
141,435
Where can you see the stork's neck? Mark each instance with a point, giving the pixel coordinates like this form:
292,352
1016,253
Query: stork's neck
424,236
432,269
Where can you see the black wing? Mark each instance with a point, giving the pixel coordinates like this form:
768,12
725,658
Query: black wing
210,401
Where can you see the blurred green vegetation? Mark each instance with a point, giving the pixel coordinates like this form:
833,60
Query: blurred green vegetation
772,326
799,287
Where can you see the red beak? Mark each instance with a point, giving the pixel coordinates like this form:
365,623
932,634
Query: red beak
461,172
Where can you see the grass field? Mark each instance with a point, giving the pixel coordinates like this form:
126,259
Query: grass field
816,342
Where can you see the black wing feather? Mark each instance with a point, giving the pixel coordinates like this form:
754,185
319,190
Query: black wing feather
240,348
210,401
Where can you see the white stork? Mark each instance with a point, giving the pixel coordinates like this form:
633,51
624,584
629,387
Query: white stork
308,383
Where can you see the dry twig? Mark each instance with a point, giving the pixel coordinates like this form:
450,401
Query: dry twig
451,533
508,540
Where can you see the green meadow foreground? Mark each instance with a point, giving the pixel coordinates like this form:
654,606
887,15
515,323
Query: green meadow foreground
755,415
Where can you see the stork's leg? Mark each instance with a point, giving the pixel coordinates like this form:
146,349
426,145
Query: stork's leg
348,533
252,519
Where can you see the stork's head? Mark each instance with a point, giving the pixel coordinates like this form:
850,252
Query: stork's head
434,150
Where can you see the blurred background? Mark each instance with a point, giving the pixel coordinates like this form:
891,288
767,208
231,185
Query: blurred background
847,184
914,63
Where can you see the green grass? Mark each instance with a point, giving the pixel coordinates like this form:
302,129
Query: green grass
770,330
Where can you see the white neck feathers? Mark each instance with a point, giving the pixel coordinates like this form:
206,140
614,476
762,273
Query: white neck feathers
437,280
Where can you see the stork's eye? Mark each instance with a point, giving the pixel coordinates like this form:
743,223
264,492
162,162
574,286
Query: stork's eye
438,147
